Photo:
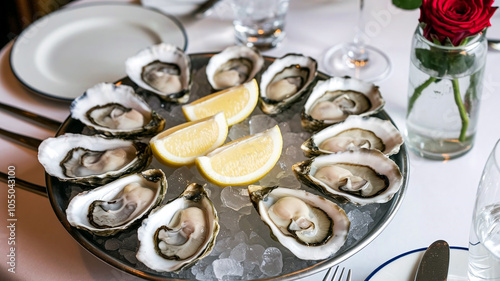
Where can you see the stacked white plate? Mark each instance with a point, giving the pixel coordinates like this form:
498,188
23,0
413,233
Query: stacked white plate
174,7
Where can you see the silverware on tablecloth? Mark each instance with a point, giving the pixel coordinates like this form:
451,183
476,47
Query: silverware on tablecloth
19,183
435,262
26,141
332,276
32,117
205,9
494,44
29,142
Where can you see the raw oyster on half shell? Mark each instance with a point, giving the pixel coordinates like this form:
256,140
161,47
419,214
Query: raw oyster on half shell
362,176
285,81
163,69
310,226
354,133
234,66
333,100
115,206
178,234
92,160
115,110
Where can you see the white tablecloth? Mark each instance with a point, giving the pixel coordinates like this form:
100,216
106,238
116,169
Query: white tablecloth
439,198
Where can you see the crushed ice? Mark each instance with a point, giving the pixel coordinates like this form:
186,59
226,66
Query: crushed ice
244,249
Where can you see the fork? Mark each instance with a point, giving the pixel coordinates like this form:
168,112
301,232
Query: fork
329,273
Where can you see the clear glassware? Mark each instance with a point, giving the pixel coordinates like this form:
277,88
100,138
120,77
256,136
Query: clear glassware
484,243
444,90
356,59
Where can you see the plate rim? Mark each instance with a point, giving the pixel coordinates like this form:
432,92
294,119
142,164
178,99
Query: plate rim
321,265
391,260
65,9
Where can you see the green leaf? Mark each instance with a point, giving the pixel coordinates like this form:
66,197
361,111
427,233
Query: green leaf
407,4
450,63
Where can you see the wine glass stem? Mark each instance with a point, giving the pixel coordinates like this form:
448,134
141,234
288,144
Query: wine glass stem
357,53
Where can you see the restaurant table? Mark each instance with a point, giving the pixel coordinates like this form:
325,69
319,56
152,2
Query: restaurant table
437,203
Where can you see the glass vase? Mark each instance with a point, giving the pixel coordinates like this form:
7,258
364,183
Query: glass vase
444,91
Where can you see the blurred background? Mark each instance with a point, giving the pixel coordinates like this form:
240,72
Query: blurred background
15,15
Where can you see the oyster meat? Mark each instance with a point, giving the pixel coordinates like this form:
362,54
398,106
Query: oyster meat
354,133
163,69
285,81
234,66
179,233
310,226
115,110
92,160
333,100
113,207
362,176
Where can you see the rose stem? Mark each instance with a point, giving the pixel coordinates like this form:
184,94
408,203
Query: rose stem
418,91
461,109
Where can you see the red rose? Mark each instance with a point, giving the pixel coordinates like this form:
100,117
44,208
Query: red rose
455,19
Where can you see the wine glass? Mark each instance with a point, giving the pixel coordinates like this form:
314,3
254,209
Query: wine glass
356,59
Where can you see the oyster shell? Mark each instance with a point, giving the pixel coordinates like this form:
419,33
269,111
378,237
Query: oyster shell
178,234
115,206
310,226
92,160
285,81
163,69
353,133
362,176
115,110
333,100
234,66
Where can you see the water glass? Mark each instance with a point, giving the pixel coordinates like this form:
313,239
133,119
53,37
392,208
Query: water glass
259,23
484,241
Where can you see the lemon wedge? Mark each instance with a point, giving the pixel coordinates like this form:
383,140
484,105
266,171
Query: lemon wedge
236,102
242,161
180,145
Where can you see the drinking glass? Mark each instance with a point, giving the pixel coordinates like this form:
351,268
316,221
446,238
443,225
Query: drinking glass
484,241
356,59
259,23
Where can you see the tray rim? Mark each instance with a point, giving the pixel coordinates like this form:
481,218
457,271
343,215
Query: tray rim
395,204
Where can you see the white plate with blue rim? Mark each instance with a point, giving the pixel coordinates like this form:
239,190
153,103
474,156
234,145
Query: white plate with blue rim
68,51
404,266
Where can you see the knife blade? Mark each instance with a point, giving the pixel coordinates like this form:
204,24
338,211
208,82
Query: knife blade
435,262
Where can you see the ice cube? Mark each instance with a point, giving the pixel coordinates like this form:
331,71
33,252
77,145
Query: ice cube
112,244
239,252
284,127
238,131
227,267
289,181
359,223
254,254
235,197
128,255
272,262
229,218
260,123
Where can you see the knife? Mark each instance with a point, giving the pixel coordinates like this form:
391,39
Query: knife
19,183
494,44
434,263
29,142
32,117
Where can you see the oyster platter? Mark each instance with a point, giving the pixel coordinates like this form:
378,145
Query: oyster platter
225,166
